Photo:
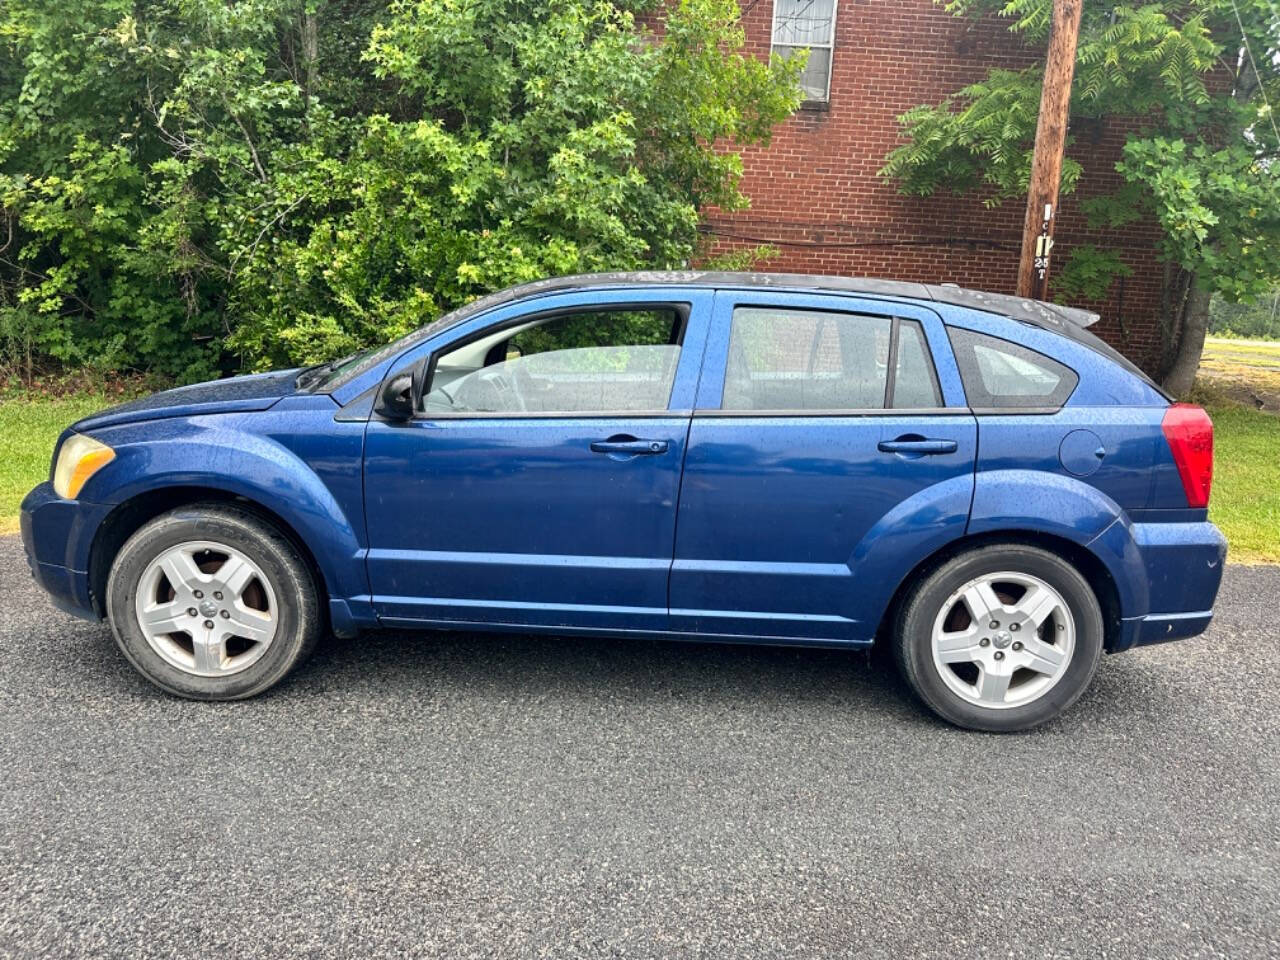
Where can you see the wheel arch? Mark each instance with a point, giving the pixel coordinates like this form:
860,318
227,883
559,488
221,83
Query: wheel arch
130,515
1085,561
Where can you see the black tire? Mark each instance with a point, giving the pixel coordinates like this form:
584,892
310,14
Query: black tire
297,598
913,647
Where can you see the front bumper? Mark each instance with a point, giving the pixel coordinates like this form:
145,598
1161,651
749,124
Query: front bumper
58,535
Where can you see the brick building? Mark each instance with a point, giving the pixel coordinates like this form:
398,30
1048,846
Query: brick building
815,193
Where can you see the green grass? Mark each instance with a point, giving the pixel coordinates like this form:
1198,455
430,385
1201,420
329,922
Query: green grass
1239,384
29,426
1247,369
1260,354
1246,487
1245,502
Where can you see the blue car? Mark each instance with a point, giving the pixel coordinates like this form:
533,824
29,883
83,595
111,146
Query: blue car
974,479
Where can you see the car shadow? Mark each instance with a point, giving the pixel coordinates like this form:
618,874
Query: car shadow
528,665
398,668
824,682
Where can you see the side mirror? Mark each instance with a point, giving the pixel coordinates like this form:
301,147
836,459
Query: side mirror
396,401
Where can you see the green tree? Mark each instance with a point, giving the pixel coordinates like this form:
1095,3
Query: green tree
1256,318
189,185
1194,80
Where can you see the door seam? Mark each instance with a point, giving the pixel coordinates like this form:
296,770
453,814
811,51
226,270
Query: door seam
688,437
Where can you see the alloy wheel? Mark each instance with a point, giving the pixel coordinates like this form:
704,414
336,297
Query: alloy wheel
206,608
1003,640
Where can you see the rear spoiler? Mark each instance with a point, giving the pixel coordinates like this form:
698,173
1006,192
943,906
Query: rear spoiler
1019,308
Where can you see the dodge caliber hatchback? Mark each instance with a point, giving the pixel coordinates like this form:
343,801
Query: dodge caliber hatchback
974,479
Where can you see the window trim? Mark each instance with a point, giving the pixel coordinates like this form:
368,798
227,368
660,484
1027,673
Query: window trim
683,310
829,46
895,323
835,413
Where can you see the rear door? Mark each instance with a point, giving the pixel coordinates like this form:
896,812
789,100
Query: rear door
822,427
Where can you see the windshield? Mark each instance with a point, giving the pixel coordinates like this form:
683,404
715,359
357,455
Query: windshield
330,376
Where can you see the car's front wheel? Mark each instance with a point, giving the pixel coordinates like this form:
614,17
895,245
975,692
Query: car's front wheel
1001,638
212,602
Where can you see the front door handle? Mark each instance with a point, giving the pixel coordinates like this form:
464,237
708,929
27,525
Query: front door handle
629,446
917,446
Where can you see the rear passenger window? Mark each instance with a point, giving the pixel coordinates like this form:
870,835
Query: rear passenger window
998,373
783,359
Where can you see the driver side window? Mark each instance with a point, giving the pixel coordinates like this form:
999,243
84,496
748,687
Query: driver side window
597,361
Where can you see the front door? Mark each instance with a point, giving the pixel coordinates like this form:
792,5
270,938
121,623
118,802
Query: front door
538,483
823,450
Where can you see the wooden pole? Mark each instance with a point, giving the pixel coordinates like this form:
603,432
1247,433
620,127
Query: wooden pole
1051,141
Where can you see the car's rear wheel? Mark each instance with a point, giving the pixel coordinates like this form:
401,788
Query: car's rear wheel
212,602
1001,638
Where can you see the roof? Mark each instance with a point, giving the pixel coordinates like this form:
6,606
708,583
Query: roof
1051,315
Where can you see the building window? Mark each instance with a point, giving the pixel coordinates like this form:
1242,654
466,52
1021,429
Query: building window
807,25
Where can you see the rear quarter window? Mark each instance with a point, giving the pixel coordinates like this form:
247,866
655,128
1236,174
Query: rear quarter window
1000,373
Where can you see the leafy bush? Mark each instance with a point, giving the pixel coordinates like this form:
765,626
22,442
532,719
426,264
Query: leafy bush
192,186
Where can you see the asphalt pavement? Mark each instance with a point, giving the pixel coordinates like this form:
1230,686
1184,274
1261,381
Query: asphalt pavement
458,795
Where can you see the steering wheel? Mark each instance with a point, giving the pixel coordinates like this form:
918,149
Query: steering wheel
525,388
505,387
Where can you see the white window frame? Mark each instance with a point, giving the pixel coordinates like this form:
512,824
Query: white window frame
829,46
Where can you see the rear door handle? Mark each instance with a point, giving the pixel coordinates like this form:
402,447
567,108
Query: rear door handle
918,447
629,446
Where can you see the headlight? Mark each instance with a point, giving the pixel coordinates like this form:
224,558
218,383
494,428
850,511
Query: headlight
78,460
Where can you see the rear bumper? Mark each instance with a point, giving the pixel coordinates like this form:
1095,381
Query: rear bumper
1160,628
57,535
1182,565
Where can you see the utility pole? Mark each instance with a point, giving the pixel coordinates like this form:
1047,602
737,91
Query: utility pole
1051,141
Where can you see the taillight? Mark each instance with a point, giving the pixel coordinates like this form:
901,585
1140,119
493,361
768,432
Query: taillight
1189,432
